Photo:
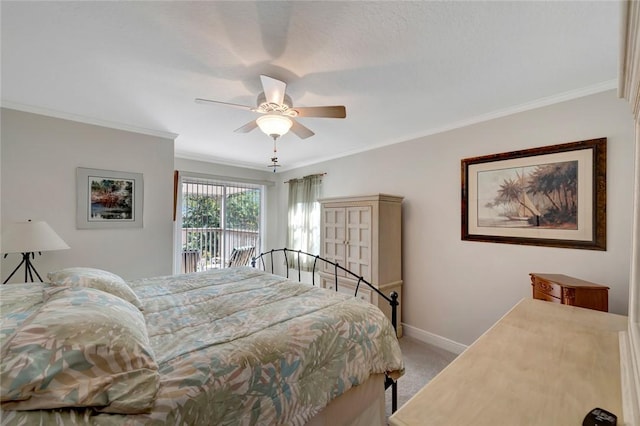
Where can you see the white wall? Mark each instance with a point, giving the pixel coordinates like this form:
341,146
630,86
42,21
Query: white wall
39,160
457,289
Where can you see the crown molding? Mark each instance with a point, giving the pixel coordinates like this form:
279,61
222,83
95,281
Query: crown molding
222,161
538,103
86,120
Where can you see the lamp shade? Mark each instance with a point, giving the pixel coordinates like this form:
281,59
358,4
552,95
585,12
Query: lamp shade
274,125
30,236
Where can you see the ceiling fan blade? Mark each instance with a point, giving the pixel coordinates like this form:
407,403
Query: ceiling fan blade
273,89
210,102
247,127
301,131
335,111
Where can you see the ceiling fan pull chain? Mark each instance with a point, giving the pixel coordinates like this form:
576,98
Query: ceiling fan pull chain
274,159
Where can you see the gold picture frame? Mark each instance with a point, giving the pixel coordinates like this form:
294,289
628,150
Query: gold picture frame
552,196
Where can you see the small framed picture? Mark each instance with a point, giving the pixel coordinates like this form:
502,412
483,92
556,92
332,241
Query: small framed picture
553,196
108,199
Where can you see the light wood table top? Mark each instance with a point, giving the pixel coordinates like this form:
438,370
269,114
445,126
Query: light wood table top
541,364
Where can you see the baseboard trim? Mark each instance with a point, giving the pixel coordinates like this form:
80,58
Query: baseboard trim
433,339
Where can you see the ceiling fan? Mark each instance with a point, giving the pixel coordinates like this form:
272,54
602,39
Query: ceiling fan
278,113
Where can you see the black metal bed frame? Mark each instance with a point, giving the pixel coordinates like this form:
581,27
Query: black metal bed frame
392,299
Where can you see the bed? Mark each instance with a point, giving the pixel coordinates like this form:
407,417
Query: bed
222,347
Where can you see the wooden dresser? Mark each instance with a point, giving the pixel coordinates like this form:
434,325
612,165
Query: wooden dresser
566,290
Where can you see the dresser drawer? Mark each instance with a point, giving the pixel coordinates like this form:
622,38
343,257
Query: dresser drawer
364,292
567,290
546,297
348,287
546,287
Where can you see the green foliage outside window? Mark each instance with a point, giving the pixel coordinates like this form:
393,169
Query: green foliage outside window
243,210
203,211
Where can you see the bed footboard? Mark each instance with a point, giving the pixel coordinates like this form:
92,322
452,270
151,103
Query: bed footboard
392,299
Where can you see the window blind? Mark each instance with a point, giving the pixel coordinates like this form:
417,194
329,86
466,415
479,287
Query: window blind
219,220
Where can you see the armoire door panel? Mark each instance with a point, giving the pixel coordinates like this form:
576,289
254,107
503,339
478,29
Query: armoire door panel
333,236
359,239
363,234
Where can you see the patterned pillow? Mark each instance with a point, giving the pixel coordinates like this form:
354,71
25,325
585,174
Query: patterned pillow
82,348
95,278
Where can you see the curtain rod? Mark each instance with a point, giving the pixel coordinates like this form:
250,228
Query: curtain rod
317,174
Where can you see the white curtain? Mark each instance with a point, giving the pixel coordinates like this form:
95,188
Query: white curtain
304,219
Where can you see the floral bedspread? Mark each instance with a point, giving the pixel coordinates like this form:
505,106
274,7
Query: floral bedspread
240,347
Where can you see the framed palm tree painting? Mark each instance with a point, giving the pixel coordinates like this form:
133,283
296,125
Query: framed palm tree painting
549,196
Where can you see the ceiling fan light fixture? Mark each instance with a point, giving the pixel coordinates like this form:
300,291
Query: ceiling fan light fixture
274,125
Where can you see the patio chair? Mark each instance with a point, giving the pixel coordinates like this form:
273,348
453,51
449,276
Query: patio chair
241,256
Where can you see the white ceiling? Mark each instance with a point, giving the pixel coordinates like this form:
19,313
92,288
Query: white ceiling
402,69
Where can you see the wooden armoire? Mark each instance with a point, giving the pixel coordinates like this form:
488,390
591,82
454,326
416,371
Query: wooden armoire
364,234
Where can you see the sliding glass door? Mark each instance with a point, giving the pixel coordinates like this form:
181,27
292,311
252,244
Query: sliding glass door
220,223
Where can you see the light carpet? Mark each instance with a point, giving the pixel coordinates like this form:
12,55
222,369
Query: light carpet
422,362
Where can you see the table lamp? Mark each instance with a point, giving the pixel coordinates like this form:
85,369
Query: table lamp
28,238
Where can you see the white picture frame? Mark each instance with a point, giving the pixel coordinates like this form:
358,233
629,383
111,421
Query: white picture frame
108,199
